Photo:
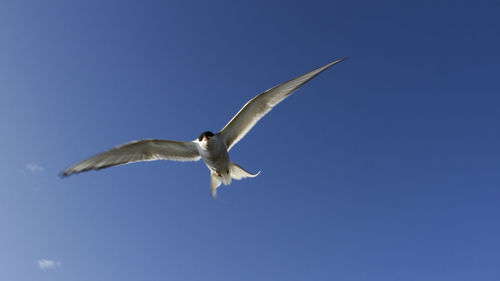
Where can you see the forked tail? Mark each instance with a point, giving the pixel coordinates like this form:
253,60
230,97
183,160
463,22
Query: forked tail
239,173
235,172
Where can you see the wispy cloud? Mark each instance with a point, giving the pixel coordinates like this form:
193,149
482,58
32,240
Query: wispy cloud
34,167
45,264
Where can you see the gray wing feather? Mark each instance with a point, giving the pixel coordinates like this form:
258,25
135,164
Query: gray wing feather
144,150
260,105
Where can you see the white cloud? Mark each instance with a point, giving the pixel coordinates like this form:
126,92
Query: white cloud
34,167
45,264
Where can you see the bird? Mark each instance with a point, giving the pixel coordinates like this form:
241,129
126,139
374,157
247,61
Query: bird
213,148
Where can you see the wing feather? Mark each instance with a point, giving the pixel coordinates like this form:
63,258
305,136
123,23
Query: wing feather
144,150
260,105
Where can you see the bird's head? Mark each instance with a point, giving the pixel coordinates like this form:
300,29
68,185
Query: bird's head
205,136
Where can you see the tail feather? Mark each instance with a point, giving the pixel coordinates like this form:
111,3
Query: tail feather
236,172
215,182
239,173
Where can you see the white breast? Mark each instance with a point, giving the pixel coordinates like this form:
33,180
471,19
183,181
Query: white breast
214,153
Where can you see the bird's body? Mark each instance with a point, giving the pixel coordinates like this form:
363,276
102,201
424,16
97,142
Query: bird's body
214,153
212,148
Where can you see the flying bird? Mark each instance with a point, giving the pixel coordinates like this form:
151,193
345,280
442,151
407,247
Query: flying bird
213,148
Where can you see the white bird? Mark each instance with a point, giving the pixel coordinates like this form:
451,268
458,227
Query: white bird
212,148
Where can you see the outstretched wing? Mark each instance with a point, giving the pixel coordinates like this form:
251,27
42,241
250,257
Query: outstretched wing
144,150
260,105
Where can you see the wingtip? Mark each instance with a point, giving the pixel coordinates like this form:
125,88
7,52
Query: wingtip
342,59
64,174
335,62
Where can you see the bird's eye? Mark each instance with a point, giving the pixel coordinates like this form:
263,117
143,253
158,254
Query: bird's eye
206,134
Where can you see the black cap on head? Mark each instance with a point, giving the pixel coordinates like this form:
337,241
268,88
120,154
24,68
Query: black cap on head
208,134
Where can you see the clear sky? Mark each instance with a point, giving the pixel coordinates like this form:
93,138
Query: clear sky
384,167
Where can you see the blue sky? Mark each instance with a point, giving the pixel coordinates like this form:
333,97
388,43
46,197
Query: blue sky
385,167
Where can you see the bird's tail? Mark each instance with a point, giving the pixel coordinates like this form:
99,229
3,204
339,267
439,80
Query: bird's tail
215,182
235,172
239,173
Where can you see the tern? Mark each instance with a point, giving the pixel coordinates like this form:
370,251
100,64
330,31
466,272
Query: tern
213,148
